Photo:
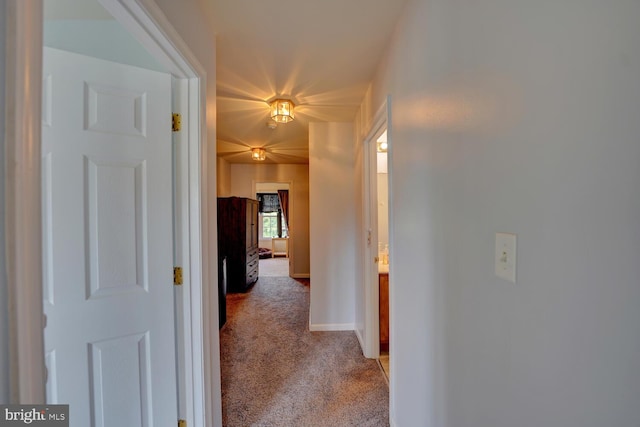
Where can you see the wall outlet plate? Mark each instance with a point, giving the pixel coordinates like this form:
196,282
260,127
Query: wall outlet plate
505,256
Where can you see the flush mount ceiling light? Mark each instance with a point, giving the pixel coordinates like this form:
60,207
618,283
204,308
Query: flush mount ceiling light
258,154
282,110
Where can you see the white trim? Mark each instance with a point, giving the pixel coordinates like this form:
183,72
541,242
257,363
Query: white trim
22,199
147,23
371,336
392,304
315,327
180,252
197,247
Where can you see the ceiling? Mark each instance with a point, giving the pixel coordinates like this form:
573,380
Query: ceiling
321,54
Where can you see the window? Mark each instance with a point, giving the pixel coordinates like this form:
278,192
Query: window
273,224
270,224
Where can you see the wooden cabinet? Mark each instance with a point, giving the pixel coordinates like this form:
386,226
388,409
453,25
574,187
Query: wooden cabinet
383,282
238,241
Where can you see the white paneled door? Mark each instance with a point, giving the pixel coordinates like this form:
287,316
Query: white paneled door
107,203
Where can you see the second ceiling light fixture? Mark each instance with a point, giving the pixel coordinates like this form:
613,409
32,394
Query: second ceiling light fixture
281,112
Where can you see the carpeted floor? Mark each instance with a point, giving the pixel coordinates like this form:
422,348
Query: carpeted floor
274,267
276,373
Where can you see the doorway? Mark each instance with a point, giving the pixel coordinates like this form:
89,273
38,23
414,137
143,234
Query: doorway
275,239
378,243
382,198
25,50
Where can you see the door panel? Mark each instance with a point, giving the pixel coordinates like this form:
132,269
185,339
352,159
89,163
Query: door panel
120,371
117,212
108,242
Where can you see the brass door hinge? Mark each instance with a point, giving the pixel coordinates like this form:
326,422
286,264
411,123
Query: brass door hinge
182,423
177,276
176,122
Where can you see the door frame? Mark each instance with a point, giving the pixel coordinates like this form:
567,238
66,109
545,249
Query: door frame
145,21
381,121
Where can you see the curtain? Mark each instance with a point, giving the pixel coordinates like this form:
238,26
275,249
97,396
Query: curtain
283,197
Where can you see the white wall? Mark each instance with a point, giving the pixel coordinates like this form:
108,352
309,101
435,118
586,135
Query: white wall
4,320
520,117
333,229
243,179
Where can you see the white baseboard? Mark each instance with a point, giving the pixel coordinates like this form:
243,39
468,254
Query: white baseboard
360,340
301,276
332,327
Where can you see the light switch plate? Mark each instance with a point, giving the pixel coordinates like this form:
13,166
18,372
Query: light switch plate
506,256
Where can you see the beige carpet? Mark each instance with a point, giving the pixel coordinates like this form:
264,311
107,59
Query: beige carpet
277,373
274,267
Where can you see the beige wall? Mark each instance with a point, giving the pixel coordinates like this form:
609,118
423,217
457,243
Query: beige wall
243,180
224,178
333,203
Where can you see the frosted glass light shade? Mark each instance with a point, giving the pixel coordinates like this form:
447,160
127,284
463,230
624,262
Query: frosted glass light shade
282,111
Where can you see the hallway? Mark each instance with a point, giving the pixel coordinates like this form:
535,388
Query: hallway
277,373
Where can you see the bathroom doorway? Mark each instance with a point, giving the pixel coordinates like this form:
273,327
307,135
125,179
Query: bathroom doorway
382,193
377,333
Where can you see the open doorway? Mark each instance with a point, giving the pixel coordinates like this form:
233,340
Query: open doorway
274,225
185,77
24,247
378,242
382,197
